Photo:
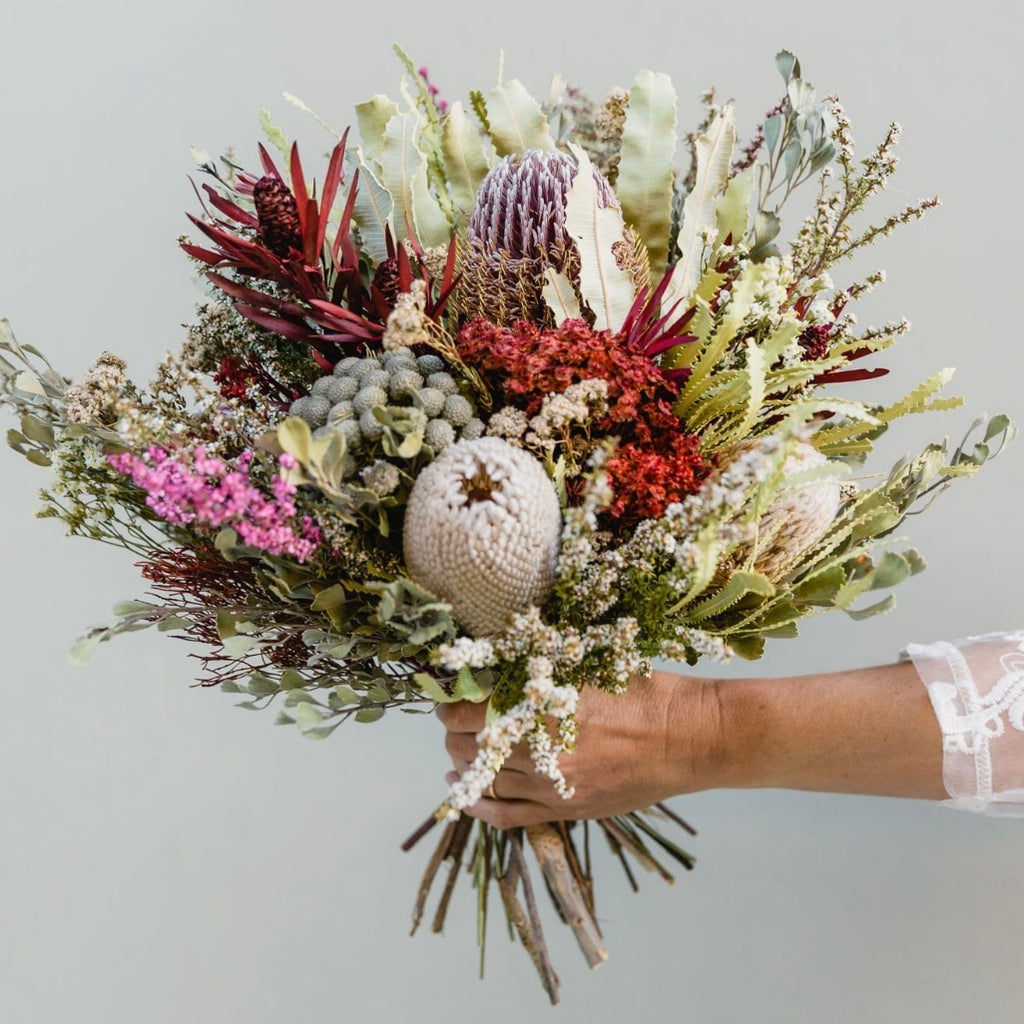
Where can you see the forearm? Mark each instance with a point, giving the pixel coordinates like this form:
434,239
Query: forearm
870,731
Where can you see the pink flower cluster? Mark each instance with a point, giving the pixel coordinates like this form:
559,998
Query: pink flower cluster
191,487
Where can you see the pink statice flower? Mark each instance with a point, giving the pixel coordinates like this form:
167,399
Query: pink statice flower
190,487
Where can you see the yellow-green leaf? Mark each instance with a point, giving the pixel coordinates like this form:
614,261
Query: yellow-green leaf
466,161
646,164
516,120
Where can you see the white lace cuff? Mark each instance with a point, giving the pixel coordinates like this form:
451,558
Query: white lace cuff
976,686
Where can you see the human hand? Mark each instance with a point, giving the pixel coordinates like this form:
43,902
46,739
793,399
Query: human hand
633,750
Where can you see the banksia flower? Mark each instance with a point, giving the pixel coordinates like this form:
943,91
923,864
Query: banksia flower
797,518
482,531
516,231
278,216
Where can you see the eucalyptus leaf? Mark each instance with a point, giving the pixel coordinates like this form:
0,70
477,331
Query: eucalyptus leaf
37,430
171,624
791,156
238,646
369,714
28,383
308,717
788,65
123,608
81,650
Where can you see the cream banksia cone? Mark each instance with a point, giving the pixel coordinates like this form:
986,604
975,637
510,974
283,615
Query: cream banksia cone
482,531
796,518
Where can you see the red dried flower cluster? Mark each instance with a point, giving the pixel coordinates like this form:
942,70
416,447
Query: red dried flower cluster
656,463
645,482
234,378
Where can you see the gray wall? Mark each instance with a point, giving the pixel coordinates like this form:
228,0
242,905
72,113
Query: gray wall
165,857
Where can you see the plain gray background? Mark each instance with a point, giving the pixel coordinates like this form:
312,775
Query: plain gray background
165,857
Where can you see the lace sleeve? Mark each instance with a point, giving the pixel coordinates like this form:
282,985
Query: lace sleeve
976,686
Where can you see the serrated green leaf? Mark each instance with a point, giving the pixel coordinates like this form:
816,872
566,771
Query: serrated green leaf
890,570
229,686
466,161
404,175
606,289
646,164
467,688
372,212
749,648
915,561
515,120
744,290
275,136
739,586
429,686
820,588
714,159
345,695
372,117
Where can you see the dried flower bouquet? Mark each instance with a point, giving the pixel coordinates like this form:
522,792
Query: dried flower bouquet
506,404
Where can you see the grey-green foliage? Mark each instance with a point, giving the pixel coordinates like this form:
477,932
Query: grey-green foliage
798,144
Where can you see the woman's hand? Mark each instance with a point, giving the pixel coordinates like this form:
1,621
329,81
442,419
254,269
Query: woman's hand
869,731
633,750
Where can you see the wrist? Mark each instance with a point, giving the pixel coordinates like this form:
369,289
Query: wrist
869,731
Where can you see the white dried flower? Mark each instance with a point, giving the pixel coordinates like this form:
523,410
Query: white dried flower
482,529
578,403
381,477
407,324
510,423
